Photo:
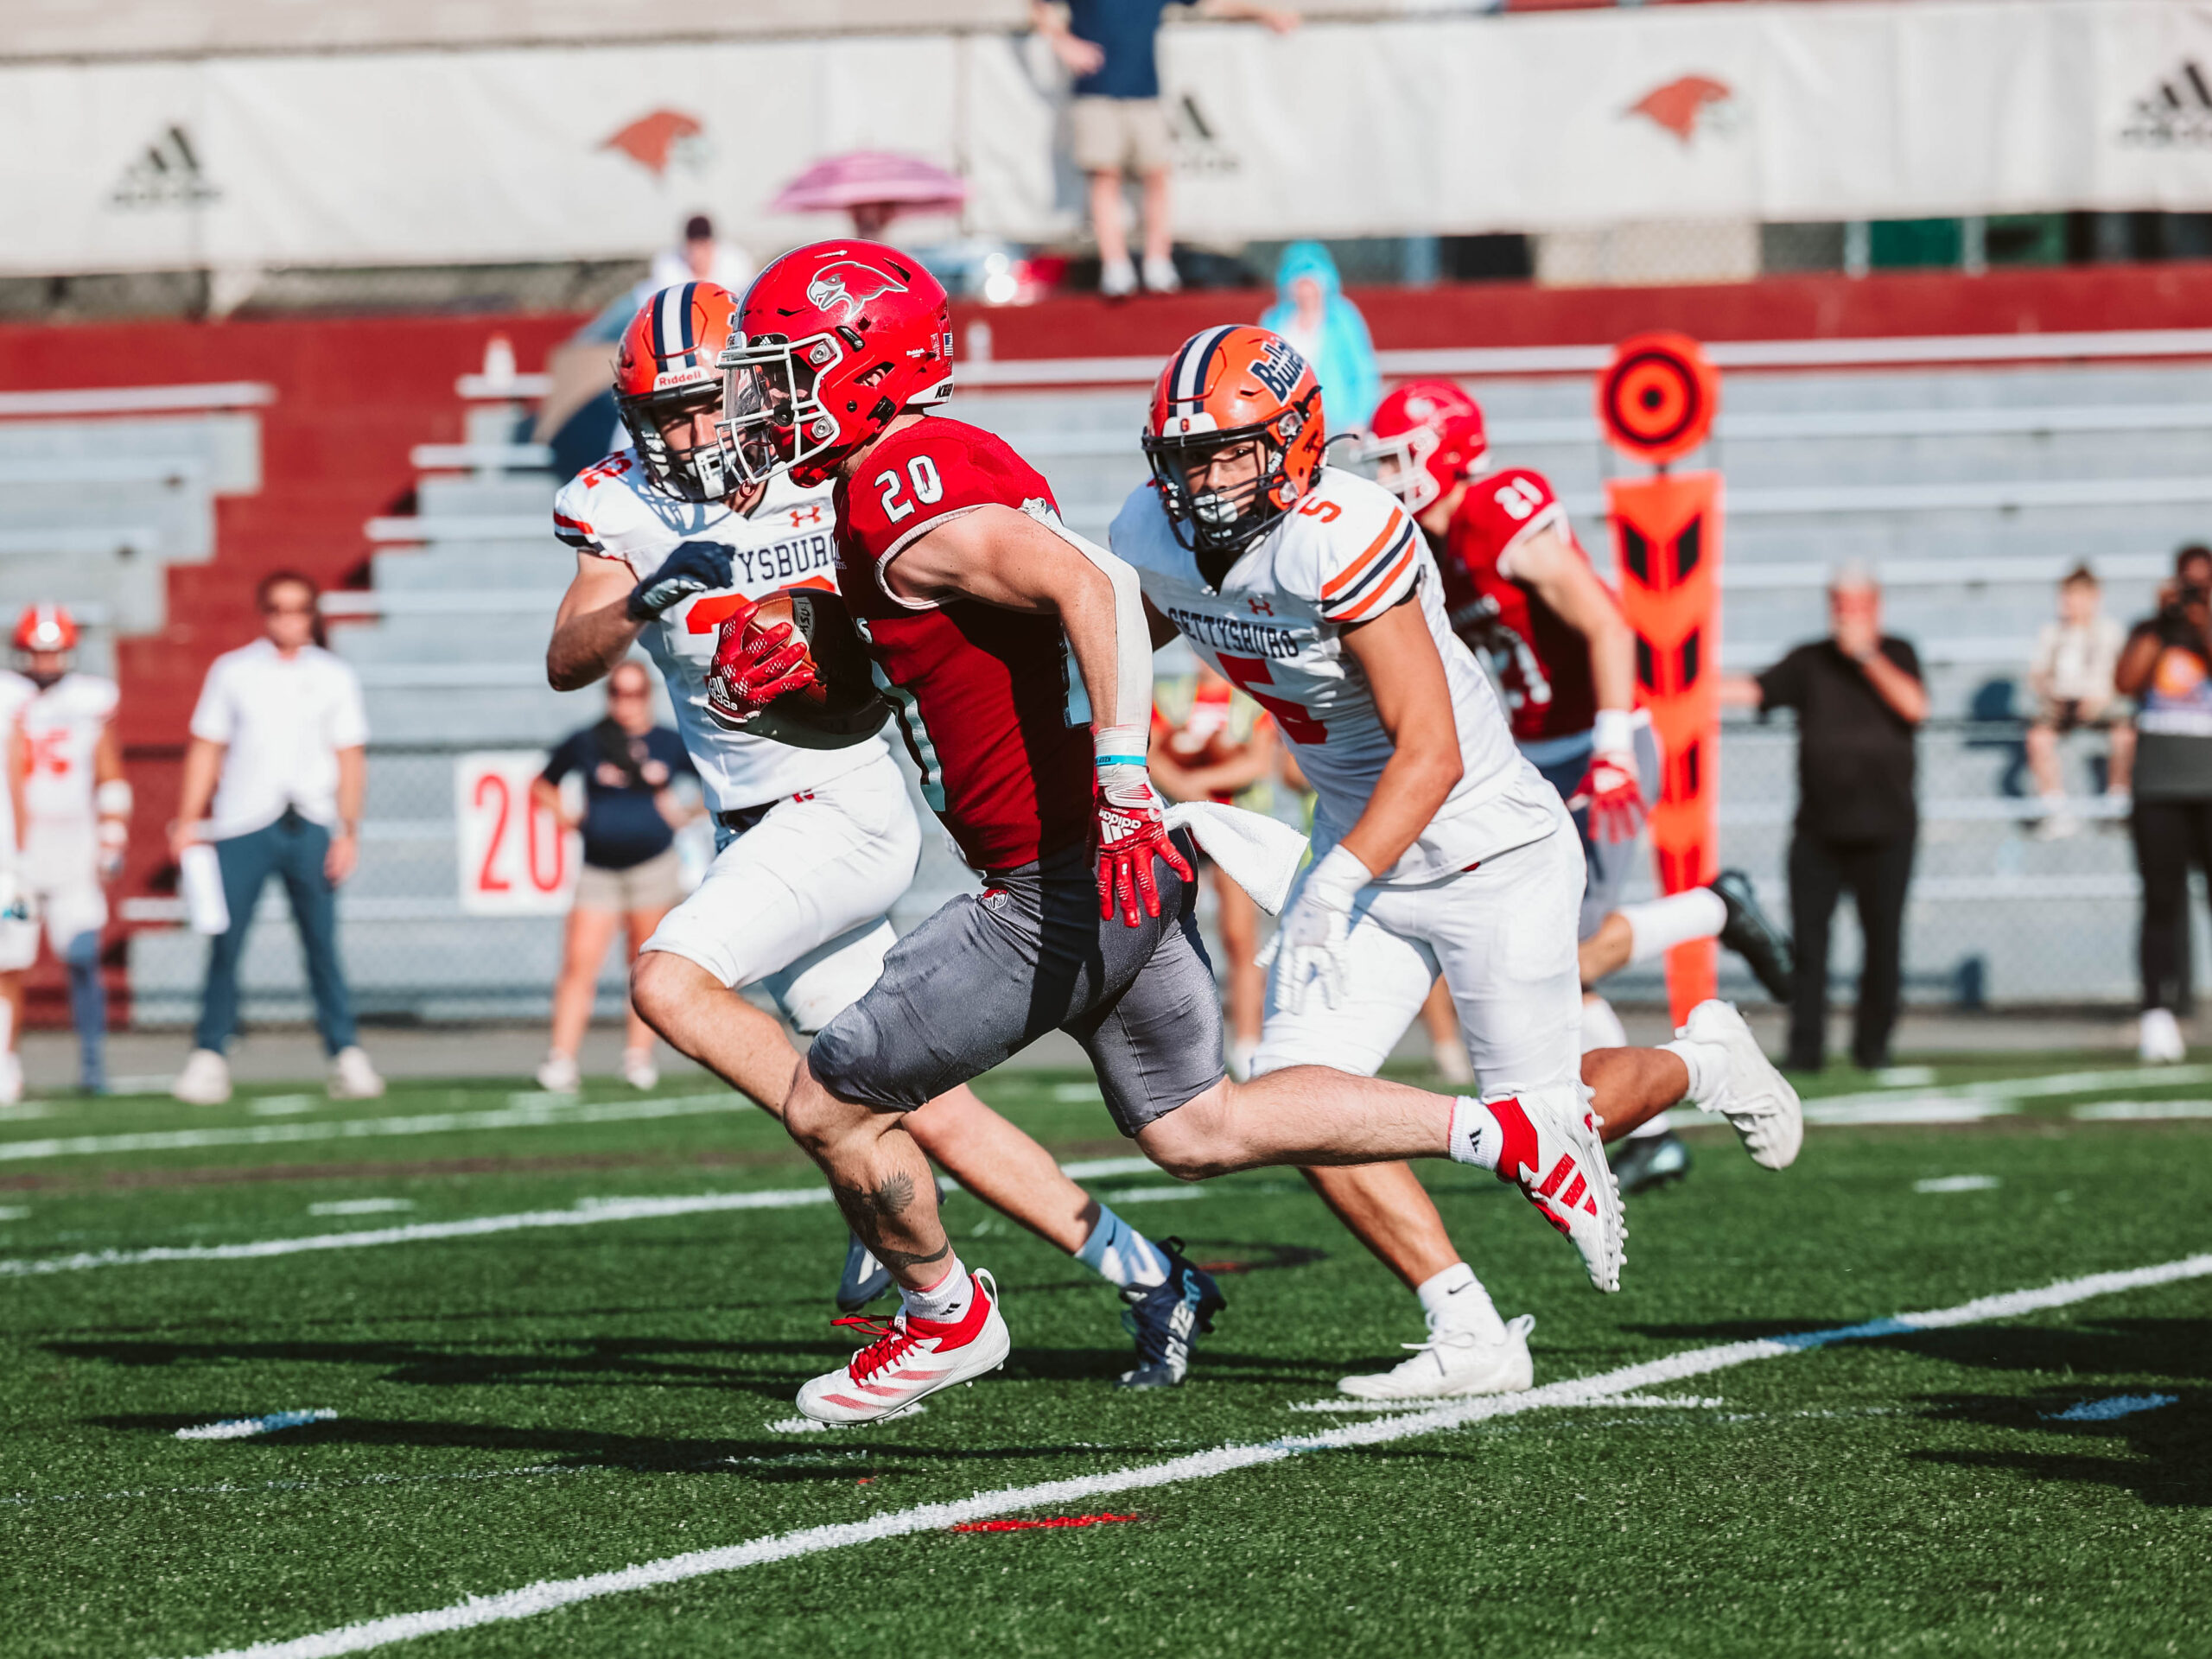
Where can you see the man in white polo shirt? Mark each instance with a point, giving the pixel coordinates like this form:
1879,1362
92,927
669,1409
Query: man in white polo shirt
278,745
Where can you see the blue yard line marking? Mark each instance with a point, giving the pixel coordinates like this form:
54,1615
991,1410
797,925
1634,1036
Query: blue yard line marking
2118,1405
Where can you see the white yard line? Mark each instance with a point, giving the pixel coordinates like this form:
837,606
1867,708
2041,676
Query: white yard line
2012,1088
245,1428
2141,1111
586,1212
549,1594
524,1112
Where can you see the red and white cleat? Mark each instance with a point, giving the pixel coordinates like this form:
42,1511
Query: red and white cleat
911,1359
1552,1153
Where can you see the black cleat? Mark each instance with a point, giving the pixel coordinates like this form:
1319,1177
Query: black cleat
864,1279
1642,1162
1167,1318
1764,947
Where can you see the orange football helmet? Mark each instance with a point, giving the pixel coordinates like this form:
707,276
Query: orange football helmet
666,365
1228,387
46,627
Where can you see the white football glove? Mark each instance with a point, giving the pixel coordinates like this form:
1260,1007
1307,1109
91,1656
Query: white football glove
1309,948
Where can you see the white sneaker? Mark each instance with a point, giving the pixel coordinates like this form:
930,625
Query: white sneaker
1117,279
1756,1099
1160,276
1552,1153
912,1359
1450,1059
352,1076
206,1079
2158,1040
639,1070
559,1074
1453,1362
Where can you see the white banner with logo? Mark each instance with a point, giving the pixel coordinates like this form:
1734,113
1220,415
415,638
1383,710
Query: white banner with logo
1531,122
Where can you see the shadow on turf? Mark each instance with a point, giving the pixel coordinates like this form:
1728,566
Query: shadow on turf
2163,1456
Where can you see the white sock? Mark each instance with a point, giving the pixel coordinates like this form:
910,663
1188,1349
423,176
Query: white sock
1708,1067
1660,924
1475,1137
1651,1129
944,1301
1601,1026
1455,1299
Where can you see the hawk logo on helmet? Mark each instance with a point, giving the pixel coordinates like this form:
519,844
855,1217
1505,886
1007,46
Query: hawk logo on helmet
851,285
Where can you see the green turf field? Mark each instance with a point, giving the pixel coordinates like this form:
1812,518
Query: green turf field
596,1383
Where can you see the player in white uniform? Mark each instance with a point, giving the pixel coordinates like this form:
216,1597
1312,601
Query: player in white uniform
1436,846
76,819
18,932
814,845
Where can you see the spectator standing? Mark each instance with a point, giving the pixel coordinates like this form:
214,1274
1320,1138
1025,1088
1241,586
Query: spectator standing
279,748
633,874
2072,678
1120,124
2167,666
1311,313
1858,697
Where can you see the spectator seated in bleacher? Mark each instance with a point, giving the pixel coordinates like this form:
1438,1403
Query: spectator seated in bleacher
2071,676
1311,313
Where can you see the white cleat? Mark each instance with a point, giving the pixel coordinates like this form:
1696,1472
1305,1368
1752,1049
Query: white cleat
560,1074
352,1076
1552,1153
206,1079
912,1359
2158,1040
1756,1099
1452,1364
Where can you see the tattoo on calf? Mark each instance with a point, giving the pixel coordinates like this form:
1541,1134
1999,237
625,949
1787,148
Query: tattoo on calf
865,1211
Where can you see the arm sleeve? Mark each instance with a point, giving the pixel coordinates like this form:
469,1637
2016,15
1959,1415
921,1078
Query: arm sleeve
1782,686
349,719
564,758
214,720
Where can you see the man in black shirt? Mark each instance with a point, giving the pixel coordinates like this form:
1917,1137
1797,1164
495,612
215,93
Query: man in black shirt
1858,695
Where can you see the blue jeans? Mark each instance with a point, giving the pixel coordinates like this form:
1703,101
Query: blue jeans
291,849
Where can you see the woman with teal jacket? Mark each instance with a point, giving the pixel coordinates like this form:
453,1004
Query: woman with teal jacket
1311,313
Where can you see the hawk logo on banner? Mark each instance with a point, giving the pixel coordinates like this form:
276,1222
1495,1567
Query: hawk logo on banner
851,285
167,174
2175,115
1683,107
653,141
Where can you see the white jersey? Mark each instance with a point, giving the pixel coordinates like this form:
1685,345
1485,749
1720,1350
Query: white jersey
1346,554
15,691
613,511
62,727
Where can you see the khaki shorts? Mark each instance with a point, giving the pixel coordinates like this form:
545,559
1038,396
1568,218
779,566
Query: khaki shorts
1121,134
657,884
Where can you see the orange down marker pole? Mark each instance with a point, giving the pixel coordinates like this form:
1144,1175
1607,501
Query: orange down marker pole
1657,399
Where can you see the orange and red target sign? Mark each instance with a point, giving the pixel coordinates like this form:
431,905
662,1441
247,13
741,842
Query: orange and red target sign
1657,398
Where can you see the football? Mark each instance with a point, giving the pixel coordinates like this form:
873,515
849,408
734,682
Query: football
842,706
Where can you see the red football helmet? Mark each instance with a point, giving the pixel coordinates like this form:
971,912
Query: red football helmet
1229,386
1432,432
46,627
667,364
835,340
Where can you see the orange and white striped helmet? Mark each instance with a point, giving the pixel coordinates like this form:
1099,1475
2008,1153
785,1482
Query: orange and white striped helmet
1228,387
46,627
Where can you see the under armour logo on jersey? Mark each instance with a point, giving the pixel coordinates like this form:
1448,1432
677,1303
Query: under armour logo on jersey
851,285
809,515
1261,607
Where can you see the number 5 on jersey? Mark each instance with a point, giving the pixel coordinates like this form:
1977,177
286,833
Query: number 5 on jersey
1248,675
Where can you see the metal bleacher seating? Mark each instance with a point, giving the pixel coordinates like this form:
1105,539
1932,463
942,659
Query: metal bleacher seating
1969,488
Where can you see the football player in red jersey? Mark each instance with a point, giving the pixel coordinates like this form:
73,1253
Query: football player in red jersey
972,599
812,846
1520,590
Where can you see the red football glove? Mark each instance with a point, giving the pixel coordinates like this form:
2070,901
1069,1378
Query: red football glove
1614,795
752,666
1132,832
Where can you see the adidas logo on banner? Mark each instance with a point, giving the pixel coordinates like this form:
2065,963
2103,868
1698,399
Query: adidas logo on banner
2176,115
168,175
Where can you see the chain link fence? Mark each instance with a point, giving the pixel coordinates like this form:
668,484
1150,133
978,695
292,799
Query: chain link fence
1999,917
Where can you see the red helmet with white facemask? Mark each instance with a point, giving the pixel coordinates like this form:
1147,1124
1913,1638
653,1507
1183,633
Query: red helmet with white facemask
835,339
46,627
1432,433
668,366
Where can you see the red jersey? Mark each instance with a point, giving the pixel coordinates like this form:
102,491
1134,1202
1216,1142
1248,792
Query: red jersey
1540,661
983,695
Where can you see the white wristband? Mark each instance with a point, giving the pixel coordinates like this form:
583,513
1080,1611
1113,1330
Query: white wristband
1336,880
1118,751
1613,732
